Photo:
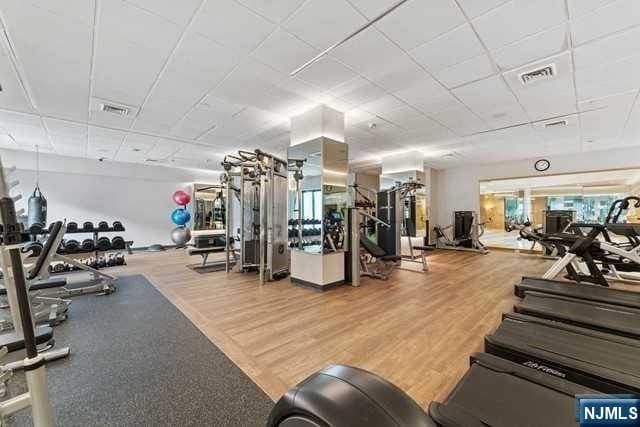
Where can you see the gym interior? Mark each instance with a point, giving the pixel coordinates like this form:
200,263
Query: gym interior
320,213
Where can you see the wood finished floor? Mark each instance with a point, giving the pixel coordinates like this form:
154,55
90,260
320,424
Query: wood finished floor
416,329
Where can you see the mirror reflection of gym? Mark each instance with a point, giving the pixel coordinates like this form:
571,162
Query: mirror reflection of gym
208,207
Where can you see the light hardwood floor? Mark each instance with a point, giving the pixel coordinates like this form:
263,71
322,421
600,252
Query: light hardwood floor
416,329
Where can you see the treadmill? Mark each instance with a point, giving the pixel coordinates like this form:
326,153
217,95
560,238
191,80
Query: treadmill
583,291
494,392
613,319
497,392
604,362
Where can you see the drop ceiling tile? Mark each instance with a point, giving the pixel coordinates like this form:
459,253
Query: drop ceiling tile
13,96
608,49
532,48
201,58
397,75
384,130
249,82
567,134
580,7
275,10
124,72
326,73
164,148
548,98
493,101
608,79
409,118
356,116
74,10
358,91
475,8
472,69
233,25
321,23
138,25
177,12
373,8
365,51
449,49
383,105
460,120
65,128
631,134
284,51
417,21
614,16
517,19
427,96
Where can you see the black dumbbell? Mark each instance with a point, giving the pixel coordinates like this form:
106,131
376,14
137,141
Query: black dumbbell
111,261
36,229
58,268
87,226
117,226
103,226
118,243
34,249
51,226
103,244
120,259
72,227
71,246
88,245
102,262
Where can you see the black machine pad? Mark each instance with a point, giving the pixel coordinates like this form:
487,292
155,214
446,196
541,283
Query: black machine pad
14,342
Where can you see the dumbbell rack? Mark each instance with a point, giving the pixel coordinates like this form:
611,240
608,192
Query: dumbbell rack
96,235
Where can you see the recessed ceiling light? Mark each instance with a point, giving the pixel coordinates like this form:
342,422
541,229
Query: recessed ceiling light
151,160
137,150
447,156
558,123
372,125
499,115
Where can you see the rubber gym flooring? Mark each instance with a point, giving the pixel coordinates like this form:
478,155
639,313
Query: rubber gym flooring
136,360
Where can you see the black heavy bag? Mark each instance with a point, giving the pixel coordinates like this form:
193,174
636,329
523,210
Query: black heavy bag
37,208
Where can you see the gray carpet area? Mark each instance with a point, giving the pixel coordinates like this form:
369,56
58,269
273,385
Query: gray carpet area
137,361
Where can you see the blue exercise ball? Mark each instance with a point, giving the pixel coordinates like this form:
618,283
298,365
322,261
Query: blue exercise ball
180,216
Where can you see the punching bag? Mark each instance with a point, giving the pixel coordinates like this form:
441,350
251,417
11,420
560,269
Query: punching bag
37,208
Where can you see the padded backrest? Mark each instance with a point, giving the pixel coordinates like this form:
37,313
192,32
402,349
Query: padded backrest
371,247
40,262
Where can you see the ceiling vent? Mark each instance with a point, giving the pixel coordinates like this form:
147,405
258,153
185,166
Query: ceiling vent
556,124
115,109
539,74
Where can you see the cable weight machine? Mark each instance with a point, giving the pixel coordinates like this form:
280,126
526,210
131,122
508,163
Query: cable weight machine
256,192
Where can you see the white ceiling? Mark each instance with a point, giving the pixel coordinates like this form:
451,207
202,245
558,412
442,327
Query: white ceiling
623,178
204,77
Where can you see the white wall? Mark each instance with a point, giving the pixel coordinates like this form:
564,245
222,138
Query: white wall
458,188
88,190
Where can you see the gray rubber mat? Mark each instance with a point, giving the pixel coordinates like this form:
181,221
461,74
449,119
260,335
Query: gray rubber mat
136,360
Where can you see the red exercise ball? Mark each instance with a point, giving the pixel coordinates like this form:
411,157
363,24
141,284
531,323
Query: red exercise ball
181,198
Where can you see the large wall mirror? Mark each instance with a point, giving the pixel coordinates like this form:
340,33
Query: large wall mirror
547,203
209,207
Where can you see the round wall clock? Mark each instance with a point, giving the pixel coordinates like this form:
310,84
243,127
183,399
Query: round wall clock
542,165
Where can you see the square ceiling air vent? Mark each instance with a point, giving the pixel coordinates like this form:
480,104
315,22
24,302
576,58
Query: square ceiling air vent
115,109
539,74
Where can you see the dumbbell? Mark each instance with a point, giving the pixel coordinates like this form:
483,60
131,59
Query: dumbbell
34,247
72,227
111,261
102,262
36,229
117,226
71,246
87,226
58,268
51,227
103,244
88,245
118,243
103,226
120,259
